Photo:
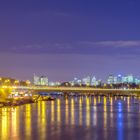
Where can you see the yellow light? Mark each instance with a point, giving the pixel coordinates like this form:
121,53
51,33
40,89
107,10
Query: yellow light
95,112
52,111
105,114
16,82
28,82
43,118
67,111
95,102
72,111
14,121
87,112
58,111
28,119
80,111
99,100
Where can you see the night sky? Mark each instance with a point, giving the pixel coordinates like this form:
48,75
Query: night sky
64,39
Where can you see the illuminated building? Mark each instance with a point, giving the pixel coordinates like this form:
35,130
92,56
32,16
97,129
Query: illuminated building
115,81
43,80
110,79
93,81
54,83
86,80
130,78
124,79
119,79
137,81
36,80
76,81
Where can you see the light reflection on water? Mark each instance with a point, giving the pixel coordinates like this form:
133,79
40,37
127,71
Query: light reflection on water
28,120
95,113
4,123
87,112
52,112
72,112
66,111
80,111
103,118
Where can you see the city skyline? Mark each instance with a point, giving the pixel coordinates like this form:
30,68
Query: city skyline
65,39
85,79
89,80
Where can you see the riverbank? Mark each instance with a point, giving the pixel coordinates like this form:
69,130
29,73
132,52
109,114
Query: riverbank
17,102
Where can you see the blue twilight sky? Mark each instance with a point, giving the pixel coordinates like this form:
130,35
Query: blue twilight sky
69,38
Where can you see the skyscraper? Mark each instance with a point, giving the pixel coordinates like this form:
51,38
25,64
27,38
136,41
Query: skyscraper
43,80
86,80
110,79
93,81
130,78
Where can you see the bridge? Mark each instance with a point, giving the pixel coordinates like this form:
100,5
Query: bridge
5,91
71,89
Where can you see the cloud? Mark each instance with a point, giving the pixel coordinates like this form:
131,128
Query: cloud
81,47
119,43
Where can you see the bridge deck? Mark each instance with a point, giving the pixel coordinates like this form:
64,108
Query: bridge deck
73,89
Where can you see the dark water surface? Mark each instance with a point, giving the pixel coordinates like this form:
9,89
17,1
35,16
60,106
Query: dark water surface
75,118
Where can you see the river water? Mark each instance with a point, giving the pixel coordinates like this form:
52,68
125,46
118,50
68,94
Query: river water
75,118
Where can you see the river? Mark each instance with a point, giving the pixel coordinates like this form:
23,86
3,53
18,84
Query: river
74,118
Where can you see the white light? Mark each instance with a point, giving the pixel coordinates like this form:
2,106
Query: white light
16,94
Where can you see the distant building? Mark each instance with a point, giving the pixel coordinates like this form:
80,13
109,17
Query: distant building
76,81
43,80
54,83
137,81
110,79
119,79
124,79
36,80
99,82
130,78
93,81
86,80
115,81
